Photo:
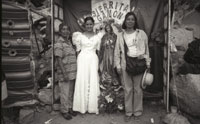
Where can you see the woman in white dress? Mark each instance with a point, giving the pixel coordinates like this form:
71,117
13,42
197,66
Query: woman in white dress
87,88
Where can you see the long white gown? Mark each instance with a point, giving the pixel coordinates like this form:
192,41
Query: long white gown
87,80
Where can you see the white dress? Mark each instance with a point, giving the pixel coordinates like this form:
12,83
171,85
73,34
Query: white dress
87,80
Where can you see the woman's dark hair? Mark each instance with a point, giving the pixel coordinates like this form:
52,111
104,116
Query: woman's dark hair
62,25
109,25
60,28
88,18
126,16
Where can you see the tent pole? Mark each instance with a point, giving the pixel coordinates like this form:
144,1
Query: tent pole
52,41
168,52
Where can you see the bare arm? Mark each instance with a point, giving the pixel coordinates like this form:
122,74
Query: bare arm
147,57
62,68
117,55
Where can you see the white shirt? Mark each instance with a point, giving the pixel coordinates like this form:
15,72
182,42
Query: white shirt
136,45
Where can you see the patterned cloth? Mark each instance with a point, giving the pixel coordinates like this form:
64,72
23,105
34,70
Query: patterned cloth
68,55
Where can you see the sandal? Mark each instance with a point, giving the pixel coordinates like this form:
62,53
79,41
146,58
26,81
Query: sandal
127,118
71,112
67,116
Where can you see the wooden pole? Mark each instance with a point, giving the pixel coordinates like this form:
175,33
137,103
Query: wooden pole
52,42
168,52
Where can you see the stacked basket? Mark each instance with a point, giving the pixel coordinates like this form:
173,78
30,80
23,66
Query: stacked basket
16,49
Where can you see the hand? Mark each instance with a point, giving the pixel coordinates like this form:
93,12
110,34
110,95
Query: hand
148,66
148,62
119,71
66,77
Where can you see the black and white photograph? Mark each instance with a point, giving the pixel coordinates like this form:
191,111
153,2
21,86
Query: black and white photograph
100,62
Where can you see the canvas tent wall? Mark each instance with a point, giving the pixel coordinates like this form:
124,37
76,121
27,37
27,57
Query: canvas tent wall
150,18
150,14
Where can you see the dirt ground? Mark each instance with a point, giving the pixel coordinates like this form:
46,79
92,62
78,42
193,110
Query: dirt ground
152,110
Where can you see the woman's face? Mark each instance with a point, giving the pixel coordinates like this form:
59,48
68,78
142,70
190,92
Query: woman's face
89,25
108,28
65,31
130,21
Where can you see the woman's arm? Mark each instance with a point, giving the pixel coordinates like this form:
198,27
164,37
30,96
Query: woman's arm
146,47
76,40
117,55
62,68
147,57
